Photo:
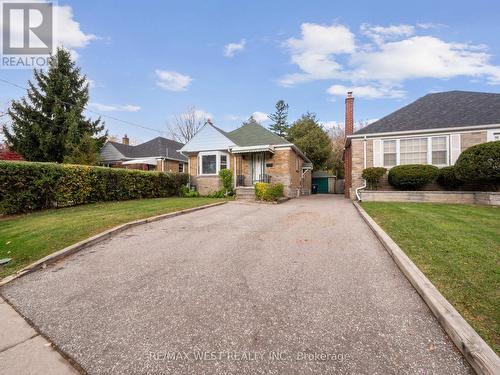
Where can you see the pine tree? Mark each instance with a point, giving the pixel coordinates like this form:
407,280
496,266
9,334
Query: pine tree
280,125
48,124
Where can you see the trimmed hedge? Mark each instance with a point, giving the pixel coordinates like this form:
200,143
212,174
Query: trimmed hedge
412,176
268,192
480,163
27,186
447,178
373,175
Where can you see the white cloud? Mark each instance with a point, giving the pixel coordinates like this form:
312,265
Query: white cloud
260,116
67,31
231,117
312,52
369,92
172,81
114,108
231,48
378,61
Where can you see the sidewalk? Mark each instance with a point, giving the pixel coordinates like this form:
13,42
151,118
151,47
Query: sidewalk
23,351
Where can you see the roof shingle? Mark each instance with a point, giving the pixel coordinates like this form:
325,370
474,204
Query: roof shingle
440,110
158,146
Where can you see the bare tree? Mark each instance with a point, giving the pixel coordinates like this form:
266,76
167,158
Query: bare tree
185,125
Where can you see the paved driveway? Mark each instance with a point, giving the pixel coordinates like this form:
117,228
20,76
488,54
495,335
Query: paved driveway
298,288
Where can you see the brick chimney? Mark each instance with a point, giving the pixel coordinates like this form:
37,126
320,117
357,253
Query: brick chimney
349,129
125,140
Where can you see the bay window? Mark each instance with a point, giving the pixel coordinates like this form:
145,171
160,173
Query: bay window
210,163
418,150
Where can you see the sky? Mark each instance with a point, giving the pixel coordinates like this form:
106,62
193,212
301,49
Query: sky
149,61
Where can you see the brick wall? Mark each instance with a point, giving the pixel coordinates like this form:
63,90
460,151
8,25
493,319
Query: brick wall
169,166
470,139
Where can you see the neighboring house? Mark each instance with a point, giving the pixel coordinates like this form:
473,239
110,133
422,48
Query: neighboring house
253,153
434,129
7,154
160,154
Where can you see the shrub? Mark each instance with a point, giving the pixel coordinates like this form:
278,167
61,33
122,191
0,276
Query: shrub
26,186
268,192
373,175
186,192
227,181
480,163
412,176
216,194
447,178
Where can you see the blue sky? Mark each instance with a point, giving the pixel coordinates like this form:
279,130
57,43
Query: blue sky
150,60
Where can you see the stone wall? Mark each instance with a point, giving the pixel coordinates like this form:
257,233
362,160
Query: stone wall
457,197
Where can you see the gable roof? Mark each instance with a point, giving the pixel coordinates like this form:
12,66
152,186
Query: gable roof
440,110
253,134
157,147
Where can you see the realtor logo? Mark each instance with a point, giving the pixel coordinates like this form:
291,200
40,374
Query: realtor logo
27,34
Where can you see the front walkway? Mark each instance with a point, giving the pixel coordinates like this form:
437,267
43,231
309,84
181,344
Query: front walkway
298,288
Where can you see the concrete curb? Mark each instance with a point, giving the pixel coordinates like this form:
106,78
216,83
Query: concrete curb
477,352
51,258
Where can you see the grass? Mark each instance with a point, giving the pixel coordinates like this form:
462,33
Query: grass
27,238
458,249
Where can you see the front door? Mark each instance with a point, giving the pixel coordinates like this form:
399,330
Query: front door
257,167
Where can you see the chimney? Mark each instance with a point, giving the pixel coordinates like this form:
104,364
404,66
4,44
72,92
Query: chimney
349,113
349,129
125,140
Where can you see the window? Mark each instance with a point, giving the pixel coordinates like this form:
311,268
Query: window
390,154
210,163
413,151
496,136
223,162
181,167
439,151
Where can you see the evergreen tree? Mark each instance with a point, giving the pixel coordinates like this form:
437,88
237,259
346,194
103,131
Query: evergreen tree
308,135
48,124
279,118
250,121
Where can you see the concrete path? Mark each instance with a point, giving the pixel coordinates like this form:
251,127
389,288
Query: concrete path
24,351
298,288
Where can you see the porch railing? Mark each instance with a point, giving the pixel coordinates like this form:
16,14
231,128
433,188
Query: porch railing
242,180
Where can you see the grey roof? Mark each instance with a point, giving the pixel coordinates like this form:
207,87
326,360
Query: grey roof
253,134
322,174
158,146
441,110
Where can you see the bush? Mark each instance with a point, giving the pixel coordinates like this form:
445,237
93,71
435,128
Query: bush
373,175
268,192
26,186
186,192
227,181
480,163
447,178
412,176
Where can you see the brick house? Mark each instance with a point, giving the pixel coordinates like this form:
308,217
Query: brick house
253,153
434,129
159,154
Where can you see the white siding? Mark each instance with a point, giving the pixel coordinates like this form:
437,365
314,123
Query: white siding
110,153
455,148
207,139
377,153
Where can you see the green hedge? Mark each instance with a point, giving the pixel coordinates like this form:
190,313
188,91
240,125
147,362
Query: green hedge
447,178
268,192
480,163
412,176
373,175
26,186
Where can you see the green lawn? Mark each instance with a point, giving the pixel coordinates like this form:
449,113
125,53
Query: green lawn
458,248
27,238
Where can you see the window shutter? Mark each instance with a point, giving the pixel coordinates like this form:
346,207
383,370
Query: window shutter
455,148
377,153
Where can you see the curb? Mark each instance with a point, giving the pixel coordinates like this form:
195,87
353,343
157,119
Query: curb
476,351
51,258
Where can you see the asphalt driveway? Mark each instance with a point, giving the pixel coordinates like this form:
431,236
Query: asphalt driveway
298,288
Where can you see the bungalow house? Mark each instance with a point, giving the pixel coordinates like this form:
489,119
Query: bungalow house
253,153
434,129
158,154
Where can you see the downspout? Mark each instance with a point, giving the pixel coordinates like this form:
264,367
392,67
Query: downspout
364,167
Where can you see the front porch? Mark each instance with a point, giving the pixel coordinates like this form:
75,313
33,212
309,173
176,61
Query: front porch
251,167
